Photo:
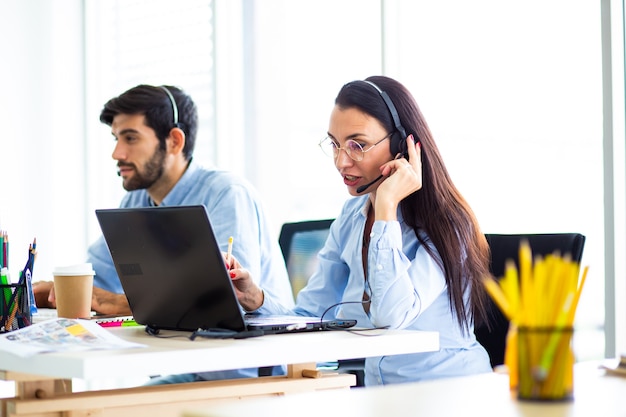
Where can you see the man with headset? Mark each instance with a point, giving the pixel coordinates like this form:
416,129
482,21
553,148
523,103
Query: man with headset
155,132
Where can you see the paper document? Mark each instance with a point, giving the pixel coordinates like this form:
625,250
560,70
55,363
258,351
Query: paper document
61,335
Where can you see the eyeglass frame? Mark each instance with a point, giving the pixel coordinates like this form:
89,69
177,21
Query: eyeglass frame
336,149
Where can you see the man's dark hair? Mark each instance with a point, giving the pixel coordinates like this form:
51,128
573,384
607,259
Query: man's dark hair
156,105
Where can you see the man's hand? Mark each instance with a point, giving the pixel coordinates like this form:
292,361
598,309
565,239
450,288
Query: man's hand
102,301
110,303
44,294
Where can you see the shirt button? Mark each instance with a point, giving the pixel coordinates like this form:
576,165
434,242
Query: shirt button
379,267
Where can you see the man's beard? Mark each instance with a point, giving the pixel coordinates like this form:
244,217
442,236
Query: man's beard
153,170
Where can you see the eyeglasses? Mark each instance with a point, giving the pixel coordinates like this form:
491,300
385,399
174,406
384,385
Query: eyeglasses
354,150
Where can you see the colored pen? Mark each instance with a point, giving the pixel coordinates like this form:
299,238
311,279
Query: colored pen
2,249
5,249
28,270
120,323
5,279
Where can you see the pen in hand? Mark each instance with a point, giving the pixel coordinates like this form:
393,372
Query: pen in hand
230,251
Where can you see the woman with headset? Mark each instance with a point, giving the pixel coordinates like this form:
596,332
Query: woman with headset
406,251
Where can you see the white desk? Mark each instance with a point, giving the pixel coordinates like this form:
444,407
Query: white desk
36,395
485,395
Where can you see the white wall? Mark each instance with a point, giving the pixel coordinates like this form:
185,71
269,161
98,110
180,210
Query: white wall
304,52
42,161
515,103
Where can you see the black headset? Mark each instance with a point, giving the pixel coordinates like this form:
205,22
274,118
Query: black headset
174,106
397,142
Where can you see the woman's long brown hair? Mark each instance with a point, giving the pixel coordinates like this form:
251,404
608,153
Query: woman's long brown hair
438,209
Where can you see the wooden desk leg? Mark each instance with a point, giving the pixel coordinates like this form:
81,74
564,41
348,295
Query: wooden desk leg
295,370
36,386
42,389
32,386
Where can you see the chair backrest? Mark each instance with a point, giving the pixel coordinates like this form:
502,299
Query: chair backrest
504,247
300,242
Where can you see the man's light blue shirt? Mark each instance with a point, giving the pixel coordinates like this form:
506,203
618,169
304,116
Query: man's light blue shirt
407,290
234,209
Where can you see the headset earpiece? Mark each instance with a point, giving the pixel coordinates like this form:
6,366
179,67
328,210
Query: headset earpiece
397,142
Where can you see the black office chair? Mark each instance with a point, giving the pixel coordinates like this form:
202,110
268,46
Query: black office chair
300,242
505,247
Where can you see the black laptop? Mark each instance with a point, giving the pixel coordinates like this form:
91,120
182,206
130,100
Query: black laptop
174,276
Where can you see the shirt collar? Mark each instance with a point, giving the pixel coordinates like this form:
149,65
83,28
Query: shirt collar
182,187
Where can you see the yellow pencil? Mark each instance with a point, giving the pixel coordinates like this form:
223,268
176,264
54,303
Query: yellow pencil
510,286
230,250
572,309
527,307
496,293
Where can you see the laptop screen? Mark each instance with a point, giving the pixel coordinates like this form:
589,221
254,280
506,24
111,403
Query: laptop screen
171,267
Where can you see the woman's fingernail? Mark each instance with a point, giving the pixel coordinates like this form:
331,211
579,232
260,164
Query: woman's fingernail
232,274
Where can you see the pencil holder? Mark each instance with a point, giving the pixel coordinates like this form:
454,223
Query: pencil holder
15,307
545,363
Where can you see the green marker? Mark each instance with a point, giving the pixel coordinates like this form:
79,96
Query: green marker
6,280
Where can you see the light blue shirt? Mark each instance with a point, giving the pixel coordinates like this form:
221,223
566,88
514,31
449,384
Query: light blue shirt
235,210
407,290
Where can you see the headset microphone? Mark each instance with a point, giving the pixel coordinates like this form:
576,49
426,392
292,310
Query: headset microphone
369,184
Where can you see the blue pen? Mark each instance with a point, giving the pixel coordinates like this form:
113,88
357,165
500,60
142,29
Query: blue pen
30,265
31,295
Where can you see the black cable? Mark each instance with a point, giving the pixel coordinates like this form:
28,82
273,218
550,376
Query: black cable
213,333
355,331
225,334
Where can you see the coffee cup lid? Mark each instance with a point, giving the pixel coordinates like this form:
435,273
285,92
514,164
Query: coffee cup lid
78,269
